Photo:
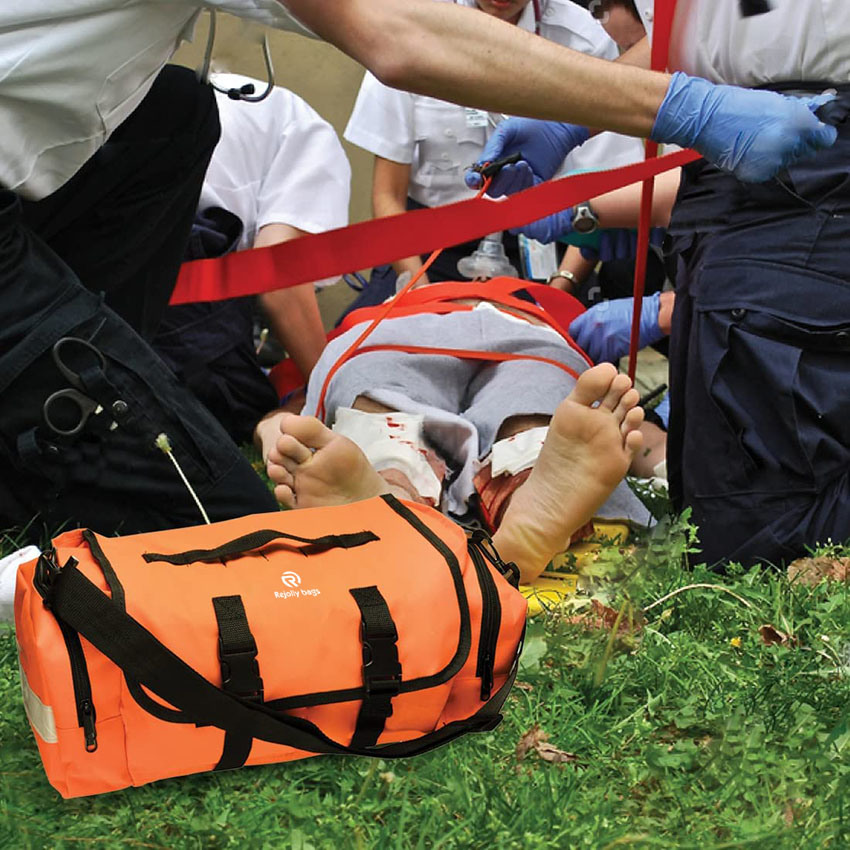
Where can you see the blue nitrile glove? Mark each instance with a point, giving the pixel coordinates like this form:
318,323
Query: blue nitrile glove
754,134
619,243
548,229
605,329
543,144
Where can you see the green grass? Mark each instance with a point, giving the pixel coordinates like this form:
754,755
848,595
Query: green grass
689,733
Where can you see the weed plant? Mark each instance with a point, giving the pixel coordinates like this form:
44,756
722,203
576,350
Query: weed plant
689,730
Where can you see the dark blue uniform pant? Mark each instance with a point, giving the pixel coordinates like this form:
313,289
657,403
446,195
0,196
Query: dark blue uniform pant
759,443
97,261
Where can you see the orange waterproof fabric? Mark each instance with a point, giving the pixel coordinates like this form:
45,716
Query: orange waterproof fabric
303,618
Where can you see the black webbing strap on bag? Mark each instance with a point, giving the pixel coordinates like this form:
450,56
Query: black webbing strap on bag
258,539
381,668
240,672
89,611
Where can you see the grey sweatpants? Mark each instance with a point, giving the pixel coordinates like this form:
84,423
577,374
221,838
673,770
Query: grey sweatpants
464,402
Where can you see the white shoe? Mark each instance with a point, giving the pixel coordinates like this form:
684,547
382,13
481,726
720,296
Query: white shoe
8,573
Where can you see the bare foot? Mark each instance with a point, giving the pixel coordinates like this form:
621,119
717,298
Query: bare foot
312,466
586,454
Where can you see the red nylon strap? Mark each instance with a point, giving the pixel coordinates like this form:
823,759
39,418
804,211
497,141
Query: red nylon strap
466,354
662,32
383,240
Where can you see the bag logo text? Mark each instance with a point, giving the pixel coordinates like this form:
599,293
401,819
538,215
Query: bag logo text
293,580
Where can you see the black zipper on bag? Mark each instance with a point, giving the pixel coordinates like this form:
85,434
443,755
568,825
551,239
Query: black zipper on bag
46,572
86,715
491,620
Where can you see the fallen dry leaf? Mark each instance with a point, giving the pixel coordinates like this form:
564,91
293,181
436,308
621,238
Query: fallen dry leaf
523,686
771,636
536,740
552,754
529,741
812,571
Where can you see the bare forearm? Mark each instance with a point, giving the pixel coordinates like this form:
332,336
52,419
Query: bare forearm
293,313
621,208
457,54
294,317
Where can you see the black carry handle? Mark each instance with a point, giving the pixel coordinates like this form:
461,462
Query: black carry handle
258,539
78,602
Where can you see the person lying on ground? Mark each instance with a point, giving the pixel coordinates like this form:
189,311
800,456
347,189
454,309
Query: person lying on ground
443,427
591,441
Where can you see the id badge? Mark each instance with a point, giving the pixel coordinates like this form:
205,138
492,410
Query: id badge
539,261
476,117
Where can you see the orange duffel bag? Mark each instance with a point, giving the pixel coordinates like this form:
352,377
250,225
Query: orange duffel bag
262,639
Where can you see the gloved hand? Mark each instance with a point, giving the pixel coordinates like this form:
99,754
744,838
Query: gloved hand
604,330
543,144
619,243
754,134
548,229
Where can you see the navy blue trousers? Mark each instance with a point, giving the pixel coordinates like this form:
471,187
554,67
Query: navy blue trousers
759,441
97,261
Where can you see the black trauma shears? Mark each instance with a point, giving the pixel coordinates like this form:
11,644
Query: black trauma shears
67,411
491,169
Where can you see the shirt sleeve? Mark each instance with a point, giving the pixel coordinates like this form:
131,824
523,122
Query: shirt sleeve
270,13
382,121
307,179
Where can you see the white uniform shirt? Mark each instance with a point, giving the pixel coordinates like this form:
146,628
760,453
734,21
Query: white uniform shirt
439,140
278,162
797,40
72,70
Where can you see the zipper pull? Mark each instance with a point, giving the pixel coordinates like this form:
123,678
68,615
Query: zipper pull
87,715
485,543
487,677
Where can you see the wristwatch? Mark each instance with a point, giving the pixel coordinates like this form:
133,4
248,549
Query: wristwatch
585,219
565,274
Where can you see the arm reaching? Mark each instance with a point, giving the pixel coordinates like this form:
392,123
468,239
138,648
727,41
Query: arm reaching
604,330
457,54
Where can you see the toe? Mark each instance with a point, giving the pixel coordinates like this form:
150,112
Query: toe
307,430
285,495
280,475
593,384
628,402
633,442
631,421
618,388
289,450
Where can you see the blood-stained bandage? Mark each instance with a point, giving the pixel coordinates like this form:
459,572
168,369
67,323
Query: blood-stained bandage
519,452
504,470
393,441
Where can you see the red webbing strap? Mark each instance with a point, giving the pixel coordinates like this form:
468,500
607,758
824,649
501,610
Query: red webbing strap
383,240
662,32
466,354
439,298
